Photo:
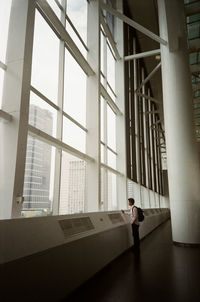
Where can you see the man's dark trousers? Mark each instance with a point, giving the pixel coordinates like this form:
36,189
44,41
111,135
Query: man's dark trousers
136,238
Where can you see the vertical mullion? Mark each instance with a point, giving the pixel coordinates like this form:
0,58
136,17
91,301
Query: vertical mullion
130,103
58,155
137,136
140,112
156,150
127,113
152,150
15,99
121,182
148,150
160,164
157,155
105,128
134,174
150,143
145,133
153,141
93,115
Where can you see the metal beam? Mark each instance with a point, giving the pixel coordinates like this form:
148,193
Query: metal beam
6,116
3,66
134,24
153,112
157,122
149,76
58,28
147,97
142,55
156,129
110,37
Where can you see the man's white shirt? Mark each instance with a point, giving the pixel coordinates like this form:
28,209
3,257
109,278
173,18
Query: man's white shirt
133,213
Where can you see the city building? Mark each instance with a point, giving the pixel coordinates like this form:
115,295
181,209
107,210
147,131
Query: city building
72,197
37,168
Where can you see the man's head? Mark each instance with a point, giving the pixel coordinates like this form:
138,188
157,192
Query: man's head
131,202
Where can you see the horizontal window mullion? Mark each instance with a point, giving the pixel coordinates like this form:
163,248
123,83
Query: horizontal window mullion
109,37
41,135
59,5
109,100
3,66
76,32
44,98
74,121
111,169
110,149
48,14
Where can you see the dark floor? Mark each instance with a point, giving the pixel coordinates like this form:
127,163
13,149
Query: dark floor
161,272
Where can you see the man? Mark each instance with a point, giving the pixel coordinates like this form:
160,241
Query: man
133,213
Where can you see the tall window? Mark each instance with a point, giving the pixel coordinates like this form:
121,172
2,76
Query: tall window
57,109
45,59
5,7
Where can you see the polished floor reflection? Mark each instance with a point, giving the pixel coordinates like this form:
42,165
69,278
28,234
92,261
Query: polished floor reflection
160,272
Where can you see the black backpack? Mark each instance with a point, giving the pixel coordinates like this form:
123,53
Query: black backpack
140,214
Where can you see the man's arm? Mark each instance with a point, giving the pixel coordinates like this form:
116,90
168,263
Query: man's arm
126,212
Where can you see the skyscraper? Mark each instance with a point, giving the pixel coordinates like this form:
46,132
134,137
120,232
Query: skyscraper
38,164
72,193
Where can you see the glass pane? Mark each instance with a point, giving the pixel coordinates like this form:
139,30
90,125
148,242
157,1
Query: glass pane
1,85
102,119
103,206
5,7
189,1
110,92
102,52
112,191
45,59
42,115
110,19
112,159
73,135
102,79
72,191
76,39
74,90
193,18
55,8
194,30
38,179
102,154
193,58
111,128
77,12
110,68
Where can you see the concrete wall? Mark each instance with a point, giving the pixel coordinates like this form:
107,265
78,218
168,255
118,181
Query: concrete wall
40,263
